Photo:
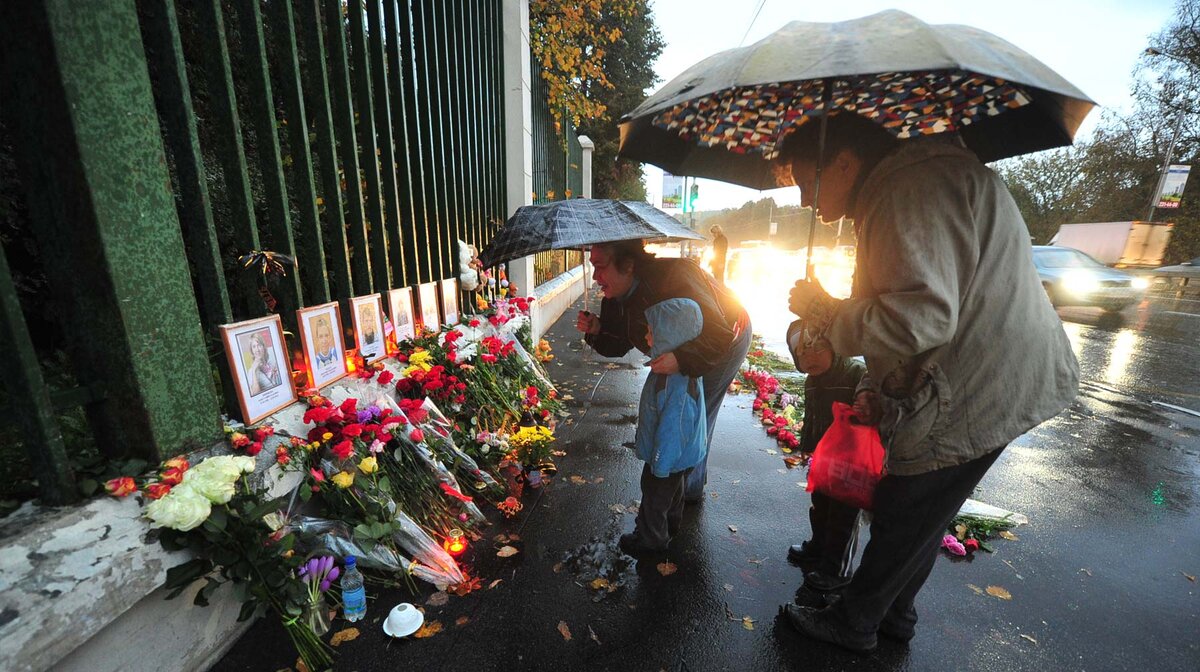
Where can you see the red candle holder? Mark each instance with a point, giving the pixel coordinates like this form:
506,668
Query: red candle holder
455,542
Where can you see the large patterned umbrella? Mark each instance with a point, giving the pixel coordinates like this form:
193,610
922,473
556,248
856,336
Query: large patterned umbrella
726,117
578,223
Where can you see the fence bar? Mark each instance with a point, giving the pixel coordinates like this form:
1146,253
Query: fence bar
164,55
339,74
31,408
226,133
451,122
435,167
407,152
368,149
424,198
336,252
310,259
393,222
89,142
499,165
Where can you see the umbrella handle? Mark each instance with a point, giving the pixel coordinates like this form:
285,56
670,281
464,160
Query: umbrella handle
826,101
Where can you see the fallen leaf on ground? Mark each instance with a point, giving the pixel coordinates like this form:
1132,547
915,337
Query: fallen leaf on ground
713,495
578,480
500,538
300,666
438,599
514,537
495,583
506,552
977,589
756,562
1030,638
997,591
737,481
728,588
792,461
592,634
558,567
430,629
667,568
1005,534
771,452
960,531
733,528
599,479
564,630
1085,571
462,620
599,583
470,583
347,635
747,623
1189,577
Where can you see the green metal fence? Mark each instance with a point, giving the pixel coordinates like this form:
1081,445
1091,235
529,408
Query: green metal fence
157,142
557,172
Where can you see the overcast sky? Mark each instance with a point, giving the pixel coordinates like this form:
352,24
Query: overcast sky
1094,44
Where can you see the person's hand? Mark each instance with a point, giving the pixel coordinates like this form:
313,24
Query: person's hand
665,364
866,408
587,322
803,293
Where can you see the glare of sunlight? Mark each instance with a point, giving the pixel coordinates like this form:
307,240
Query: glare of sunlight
1075,336
1124,345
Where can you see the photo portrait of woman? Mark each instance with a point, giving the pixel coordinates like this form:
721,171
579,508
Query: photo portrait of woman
326,348
263,374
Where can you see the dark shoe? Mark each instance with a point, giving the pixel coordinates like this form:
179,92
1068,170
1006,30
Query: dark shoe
824,583
633,544
824,625
803,553
807,597
897,629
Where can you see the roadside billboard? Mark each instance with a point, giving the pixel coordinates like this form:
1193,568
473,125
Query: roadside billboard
1172,187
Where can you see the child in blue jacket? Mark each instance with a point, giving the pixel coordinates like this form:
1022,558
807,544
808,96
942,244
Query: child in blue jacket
672,433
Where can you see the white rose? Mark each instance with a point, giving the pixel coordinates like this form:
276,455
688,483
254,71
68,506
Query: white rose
181,509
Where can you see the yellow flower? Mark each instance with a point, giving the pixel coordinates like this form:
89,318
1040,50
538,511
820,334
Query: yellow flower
420,358
327,436
480,302
343,479
368,465
314,445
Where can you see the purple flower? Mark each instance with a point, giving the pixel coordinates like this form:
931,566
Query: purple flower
375,411
364,415
325,585
326,564
312,566
333,574
952,544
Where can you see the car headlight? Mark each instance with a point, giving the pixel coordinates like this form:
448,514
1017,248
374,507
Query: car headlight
1139,283
1080,283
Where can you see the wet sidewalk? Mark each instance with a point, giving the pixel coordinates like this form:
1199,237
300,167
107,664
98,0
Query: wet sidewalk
717,609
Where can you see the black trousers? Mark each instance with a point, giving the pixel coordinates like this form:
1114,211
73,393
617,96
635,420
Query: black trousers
910,517
835,533
661,511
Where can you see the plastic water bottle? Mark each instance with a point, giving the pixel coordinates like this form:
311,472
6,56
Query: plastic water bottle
354,597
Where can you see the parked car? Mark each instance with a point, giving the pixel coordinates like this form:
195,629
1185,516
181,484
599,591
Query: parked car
1072,278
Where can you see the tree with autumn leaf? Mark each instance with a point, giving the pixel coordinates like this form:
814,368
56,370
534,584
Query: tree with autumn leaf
597,61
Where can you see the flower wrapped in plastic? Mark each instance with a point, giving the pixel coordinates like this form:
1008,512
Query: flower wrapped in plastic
438,435
335,536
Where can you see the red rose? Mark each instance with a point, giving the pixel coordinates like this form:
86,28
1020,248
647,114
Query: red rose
971,545
352,430
157,490
474,322
488,358
343,450
317,414
177,463
254,448
386,377
349,407
416,435
262,433
282,456
121,487
318,476
173,476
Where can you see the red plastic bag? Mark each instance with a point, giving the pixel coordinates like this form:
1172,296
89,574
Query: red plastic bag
848,461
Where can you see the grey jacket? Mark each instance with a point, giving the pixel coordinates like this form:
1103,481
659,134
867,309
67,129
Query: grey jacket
948,311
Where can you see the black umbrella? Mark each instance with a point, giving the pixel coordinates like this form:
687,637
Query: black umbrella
580,223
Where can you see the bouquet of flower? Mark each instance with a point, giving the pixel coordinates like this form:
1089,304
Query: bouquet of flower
212,510
533,447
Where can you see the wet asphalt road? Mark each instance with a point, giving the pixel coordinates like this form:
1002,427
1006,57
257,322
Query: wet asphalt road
1099,579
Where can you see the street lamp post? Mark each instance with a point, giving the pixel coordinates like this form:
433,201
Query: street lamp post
1179,114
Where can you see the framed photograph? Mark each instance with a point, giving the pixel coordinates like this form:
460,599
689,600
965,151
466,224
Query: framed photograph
400,308
367,312
427,298
259,362
321,337
449,288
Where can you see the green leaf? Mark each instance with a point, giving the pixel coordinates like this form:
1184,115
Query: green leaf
202,595
984,546
385,484
134,467
88,487
305,494
182,576
247,611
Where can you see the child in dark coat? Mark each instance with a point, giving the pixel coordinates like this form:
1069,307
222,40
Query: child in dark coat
830,552
672,431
